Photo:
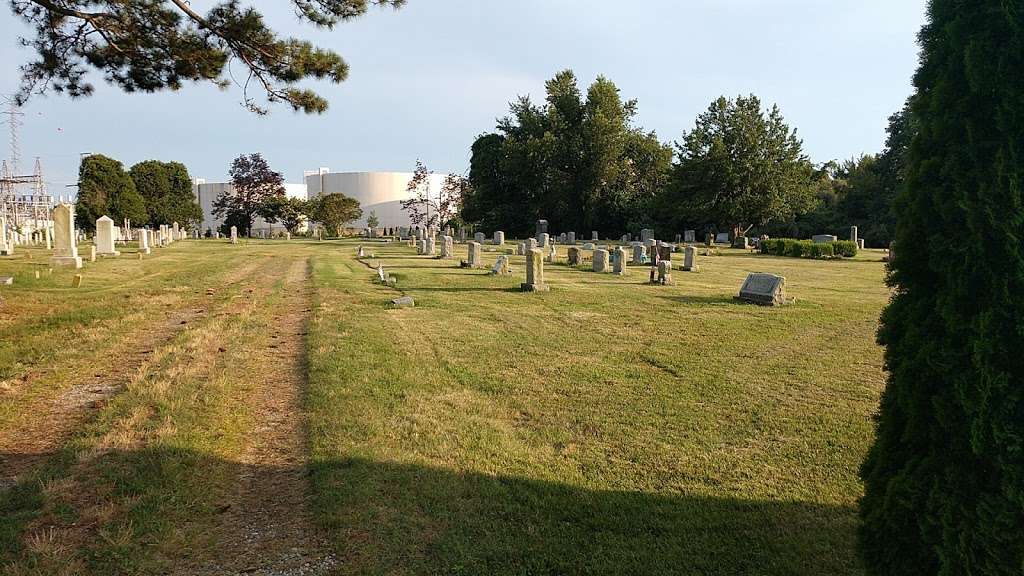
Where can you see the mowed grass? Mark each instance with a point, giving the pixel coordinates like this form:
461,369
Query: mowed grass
607,426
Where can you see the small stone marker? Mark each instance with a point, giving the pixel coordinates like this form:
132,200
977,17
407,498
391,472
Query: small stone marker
690,236
595,236
143,241
531,244
722,238
534,272
600,263
664,272
501,267
499,238
765,289
543,239
552,256
619,261
690,260
431,246
381,274
741,242
403,302
360,253
479,237
589,246
8,280
574,256
234,234
860,243
76,282
92,253
625,238
823,238
521,249
570,238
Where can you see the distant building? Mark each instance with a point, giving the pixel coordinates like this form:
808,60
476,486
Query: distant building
206,192
378,192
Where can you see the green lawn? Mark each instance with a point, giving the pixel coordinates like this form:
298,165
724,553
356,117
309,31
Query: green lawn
607,426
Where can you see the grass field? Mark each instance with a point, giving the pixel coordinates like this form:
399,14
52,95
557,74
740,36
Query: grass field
225,409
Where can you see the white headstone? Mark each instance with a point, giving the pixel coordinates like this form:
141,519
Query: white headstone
143,241
600,260
234,235
105,237
65,251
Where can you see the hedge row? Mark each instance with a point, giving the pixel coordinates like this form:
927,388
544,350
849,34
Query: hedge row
808,248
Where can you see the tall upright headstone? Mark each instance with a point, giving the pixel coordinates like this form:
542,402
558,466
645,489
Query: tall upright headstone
176,234
543,239
531,244
143,241
690,236
690,259
600,260
574,258
65,249
479,237
619,261
552,253
534,272
570,238
447,247
6,245
49,237
594,236
499,238
105,237
853,234
431,247
234,235
639,254
542,228
474,257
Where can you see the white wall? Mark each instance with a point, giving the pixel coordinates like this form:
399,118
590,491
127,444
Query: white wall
206,192
378,192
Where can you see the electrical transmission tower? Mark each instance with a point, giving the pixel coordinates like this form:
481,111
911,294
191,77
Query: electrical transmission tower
24,201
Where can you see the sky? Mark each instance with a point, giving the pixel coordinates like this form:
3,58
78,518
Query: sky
427,79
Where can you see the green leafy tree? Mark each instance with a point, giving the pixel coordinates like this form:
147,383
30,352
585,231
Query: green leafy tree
740,168
167,190
150,45
944,481
290,212
372,221
334,211
253,185
105,189
576,161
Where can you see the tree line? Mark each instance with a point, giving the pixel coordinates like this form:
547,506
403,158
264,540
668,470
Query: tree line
579,161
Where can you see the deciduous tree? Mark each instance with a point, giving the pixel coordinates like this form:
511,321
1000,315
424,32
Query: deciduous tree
105,189
253,184
334,211
166,189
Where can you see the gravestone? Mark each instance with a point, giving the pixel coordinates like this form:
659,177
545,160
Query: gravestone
709,239
431,247
650,243
499,238
600,263
360,252
49,238
664,272
542,228
534,272
664,251
741,242
447,247
722,238
679,238
65,249
639,254
479,237
474,255
143,241
594,236
531,244
421,247
552,254
403,302
589,246
382,276
625,239
766,289
892,252
462,235
823,238
543,240
105,237
853,234
573,258
570,238
92,252
176,235
501,267
860,243
234,234
646,234
619,261
521,249
690,236
6,245
690,260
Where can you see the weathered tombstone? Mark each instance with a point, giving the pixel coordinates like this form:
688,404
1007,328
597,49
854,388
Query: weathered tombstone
360,252
625,239
521,249
234,235
403,302
531,244
421,247
105,237
462,235
709,240
600,263
823,238
542,228
479,237
722,238
650,243
92,252
766,289
474,256
646,234
690,260
664,251
665,272
543,239
619,261
382,276
639,254
499,238
143,241
6,245
892,252
65,251
288,236
594,236
741,242
534,272
447,247
573,258
49,238
500,267
860,243
431,247
570,238
690,236
853,234
552,253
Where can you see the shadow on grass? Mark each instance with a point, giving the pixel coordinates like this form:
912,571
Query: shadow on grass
456,289
384,517
720,300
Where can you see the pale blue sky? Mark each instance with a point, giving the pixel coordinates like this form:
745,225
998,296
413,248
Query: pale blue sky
426,80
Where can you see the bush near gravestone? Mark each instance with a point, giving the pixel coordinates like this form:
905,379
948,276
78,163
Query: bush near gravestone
808,249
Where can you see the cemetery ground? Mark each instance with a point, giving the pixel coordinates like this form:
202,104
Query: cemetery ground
260,409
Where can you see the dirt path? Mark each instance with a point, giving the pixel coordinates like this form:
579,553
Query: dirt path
268,529
25,446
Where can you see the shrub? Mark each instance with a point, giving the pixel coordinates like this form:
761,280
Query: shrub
808,249
845,248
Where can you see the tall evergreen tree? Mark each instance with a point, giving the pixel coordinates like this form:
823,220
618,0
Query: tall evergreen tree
944,481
